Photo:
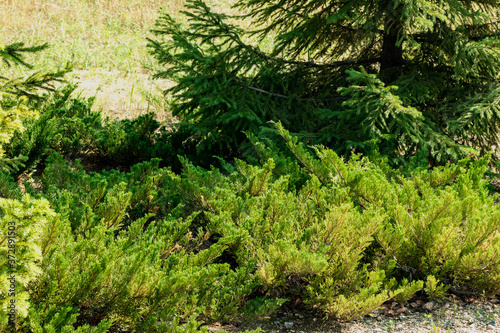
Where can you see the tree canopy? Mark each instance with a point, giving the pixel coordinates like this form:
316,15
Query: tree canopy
408,75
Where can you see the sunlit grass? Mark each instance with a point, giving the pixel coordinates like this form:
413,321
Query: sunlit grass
108,34
105,40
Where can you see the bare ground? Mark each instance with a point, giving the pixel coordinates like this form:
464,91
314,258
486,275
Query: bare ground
453,315
122,96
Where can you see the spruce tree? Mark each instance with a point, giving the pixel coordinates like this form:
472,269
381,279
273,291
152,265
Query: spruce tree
407,75
32,84
19,96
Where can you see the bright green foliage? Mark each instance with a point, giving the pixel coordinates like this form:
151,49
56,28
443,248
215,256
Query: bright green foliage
153,251
434,289
10,122
55,319
435,222
310,243
350,236
17,97
411,75
99,267
22,225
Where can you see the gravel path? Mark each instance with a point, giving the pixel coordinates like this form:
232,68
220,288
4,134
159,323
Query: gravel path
453,315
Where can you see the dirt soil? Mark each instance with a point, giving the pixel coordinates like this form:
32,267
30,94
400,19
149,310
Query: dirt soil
453,315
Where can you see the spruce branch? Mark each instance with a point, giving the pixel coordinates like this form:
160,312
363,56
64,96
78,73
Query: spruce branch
14,53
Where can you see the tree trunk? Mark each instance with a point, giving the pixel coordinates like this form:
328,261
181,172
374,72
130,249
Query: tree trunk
392,54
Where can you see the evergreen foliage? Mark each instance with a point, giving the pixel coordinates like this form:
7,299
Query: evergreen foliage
27,219
69,126
353,236
17,96
413,75
31,85
151,250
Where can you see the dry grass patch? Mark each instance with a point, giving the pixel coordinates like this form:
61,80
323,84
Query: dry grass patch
94,33
106,42
123,96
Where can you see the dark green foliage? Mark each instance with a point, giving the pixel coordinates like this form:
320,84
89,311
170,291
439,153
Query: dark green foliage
69,126
30,85
8,188
13,54
413,76
34,141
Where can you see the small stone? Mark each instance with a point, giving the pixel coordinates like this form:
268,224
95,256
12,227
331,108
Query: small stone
401,310
276,322
314,319
428,306
414,304
492,323
289,324
494,300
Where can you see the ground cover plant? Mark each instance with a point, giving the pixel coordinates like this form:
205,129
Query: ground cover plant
127,225
152,250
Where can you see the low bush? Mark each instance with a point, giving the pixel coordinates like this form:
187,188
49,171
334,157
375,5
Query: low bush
147,249
353,236
152,250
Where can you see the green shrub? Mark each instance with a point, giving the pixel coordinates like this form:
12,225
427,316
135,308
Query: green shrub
355,234
23,225
434,289
106,261
152,250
